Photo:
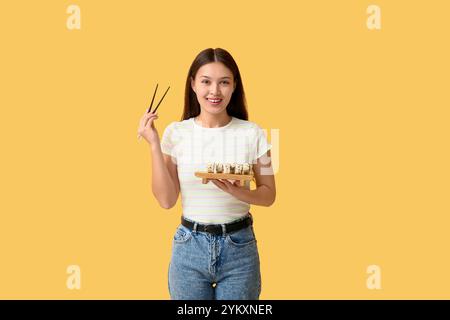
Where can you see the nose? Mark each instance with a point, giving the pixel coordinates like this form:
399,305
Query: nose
214,89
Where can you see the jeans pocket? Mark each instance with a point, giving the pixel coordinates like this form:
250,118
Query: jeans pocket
241,238
182,234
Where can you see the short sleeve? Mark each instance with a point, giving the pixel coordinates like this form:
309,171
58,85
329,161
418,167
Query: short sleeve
168,141
262,144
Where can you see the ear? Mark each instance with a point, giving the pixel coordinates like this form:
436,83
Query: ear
192,84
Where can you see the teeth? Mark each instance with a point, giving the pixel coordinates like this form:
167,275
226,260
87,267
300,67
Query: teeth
215,101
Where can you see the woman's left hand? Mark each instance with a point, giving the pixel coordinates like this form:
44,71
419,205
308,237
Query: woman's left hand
234,188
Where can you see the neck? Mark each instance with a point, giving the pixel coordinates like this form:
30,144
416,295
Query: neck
213,121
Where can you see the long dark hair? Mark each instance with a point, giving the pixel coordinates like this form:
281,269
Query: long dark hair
237,106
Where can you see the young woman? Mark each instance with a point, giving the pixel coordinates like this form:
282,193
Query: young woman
214,251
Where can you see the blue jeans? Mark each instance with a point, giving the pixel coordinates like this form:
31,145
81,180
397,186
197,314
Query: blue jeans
205,266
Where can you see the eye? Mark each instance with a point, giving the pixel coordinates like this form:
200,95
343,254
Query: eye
226,82
205,81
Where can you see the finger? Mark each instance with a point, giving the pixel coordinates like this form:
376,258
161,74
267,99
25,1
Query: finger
143,124
225,182
146,123
151,112
150,116
145,118
218,184
150,120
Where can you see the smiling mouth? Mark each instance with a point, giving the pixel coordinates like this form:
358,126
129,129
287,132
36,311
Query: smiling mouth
214,101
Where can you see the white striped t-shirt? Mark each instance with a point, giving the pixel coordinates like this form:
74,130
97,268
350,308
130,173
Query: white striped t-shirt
192,146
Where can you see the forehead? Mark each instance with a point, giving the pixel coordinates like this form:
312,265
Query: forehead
214,70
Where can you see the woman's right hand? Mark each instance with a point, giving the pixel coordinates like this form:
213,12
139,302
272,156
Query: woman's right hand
147,128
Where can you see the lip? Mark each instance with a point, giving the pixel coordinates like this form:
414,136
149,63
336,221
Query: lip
219,101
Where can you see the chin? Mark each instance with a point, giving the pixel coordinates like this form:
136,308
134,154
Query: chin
214,110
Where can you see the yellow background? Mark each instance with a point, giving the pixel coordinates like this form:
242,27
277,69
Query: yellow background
363,117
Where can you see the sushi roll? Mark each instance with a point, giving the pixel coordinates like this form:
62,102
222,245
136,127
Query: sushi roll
238,169
232,167
218,168
210,167
246,168
226,168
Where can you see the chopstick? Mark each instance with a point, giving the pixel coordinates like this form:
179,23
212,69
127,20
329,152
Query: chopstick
157,106
154,94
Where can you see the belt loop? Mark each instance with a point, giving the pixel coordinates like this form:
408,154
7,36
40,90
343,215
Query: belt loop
195,227
224,230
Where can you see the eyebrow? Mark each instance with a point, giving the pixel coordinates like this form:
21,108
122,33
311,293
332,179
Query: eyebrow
220,78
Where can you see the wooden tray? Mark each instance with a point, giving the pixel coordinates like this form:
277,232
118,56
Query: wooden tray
230,176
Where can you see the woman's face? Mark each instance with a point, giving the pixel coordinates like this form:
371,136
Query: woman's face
213,85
